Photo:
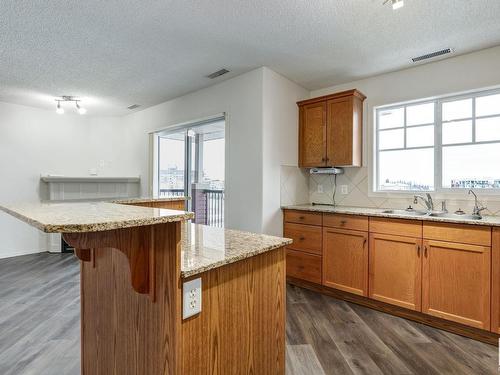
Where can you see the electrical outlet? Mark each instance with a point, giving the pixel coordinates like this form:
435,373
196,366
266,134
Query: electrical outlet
320,189
191,301
344,189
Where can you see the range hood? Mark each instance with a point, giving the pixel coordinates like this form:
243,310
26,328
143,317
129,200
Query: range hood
326,171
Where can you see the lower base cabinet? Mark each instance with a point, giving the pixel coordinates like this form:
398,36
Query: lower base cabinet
396,270
345,260
456,282
495,280
303,266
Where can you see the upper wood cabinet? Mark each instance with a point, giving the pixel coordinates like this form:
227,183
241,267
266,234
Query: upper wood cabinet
330,130
456,282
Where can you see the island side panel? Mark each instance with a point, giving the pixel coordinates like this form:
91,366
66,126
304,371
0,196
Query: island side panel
241,328
124,332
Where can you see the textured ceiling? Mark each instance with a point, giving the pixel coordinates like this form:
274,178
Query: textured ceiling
118,53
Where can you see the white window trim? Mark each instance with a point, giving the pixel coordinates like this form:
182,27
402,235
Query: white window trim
438,192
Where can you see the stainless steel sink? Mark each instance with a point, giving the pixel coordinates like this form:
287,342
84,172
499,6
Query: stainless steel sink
405,212
434,213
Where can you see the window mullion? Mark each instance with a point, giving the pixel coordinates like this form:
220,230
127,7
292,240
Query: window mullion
438,146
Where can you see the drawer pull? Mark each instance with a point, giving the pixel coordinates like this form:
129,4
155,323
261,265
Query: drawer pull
425,251
418,250
302,238
301,217
343,222
364,242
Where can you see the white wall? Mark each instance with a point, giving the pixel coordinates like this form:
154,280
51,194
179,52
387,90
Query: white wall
241,99
457,74
35,141
280,142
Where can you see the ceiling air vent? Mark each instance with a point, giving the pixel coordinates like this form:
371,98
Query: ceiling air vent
218,73
133,106
432,55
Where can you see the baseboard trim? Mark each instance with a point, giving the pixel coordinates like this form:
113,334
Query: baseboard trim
446,325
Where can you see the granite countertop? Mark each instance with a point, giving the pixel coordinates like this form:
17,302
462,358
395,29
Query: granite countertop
90,216
149,199
205,248
493,221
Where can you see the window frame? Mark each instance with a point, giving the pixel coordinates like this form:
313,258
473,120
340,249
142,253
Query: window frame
438,146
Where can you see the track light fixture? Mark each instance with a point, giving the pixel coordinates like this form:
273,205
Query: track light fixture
59,110
396,4
65,98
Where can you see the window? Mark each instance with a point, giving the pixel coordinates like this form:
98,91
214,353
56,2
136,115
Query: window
446,143
200,149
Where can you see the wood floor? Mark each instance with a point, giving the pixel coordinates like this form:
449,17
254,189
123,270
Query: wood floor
40,329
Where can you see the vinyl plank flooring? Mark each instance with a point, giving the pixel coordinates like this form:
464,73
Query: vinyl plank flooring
40,330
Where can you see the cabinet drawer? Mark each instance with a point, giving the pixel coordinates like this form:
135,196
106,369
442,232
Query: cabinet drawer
303,266
306,238
400,227
346,221
303,217
475,235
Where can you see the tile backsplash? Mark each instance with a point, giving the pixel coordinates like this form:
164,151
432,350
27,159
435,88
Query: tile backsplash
356,180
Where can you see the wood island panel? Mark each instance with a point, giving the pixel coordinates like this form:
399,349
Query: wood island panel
241,329
123,331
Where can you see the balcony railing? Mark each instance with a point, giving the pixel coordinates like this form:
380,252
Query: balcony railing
207,204
214,209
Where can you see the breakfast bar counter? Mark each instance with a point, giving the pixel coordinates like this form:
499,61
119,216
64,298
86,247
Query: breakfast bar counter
135,261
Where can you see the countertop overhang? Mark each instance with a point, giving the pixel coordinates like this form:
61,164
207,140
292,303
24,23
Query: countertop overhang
493,221
90,216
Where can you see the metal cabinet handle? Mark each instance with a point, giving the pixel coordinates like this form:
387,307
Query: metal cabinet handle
302,238
343,222
418,250
364,242
425,251
301,218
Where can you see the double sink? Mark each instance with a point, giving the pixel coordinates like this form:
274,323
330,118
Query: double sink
411,212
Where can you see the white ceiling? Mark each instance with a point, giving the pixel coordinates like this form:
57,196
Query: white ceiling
120,52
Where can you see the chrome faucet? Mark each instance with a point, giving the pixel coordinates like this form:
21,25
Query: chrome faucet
476,211
428,202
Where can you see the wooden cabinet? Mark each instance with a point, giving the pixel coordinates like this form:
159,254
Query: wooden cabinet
345,260
305,238
450,271
303,266
303,256
330,130
396,270
312,135
456,282
495,280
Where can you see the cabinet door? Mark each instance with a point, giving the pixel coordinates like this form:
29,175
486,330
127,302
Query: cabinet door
495,281
345,260
344,131
396,270
456,282
312,135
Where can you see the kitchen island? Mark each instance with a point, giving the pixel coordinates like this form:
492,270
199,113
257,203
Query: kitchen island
134,262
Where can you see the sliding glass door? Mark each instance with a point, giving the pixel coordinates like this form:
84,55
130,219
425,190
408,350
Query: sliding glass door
191,162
